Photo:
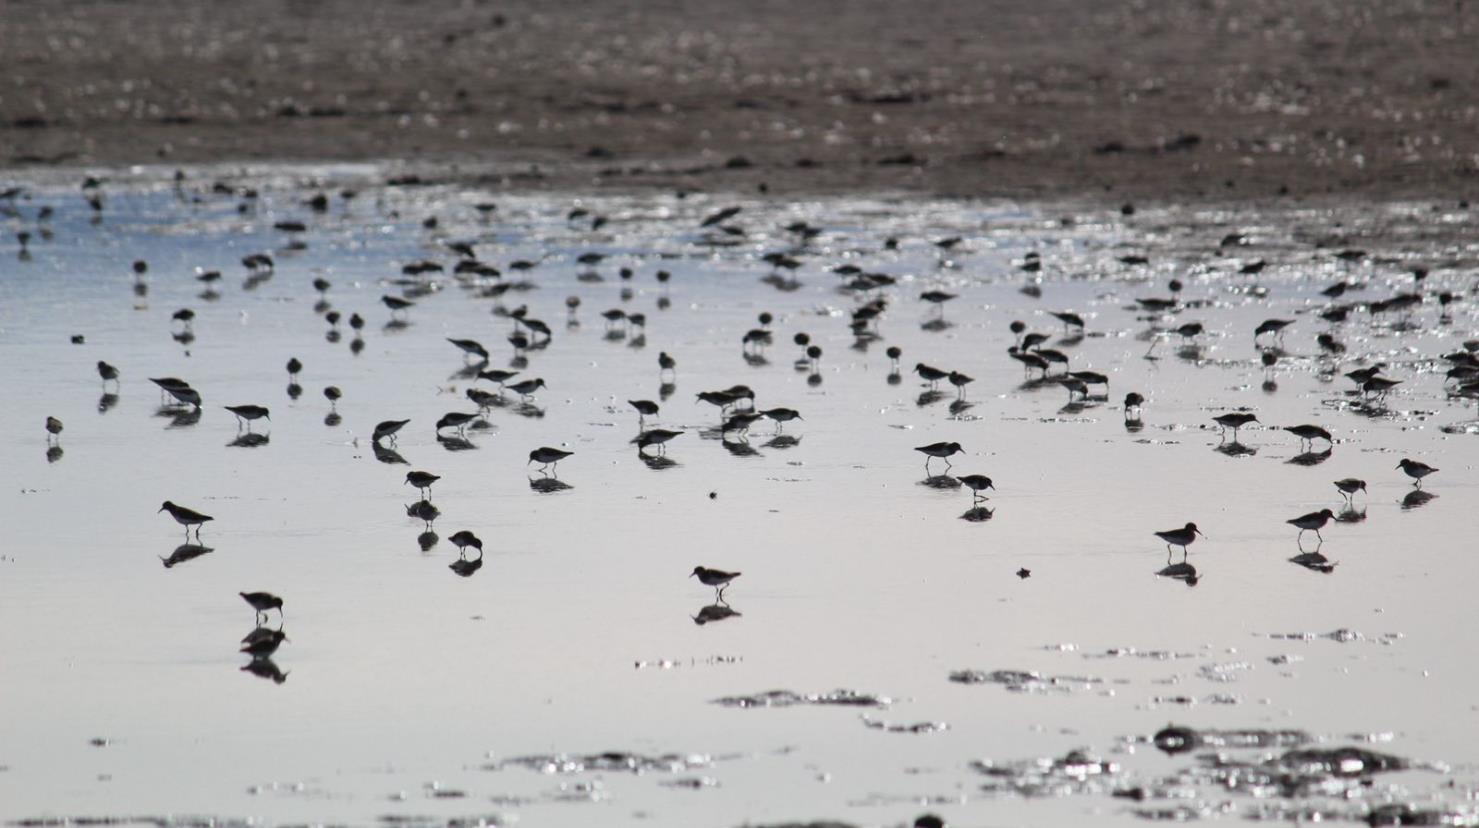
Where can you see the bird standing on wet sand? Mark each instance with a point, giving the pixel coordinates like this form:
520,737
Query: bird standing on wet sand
422,481
294,366
1133,402
1349,486
1180,537
960,381
717,578
666,365
547,457
781,416
527,387
247,413
387,428
940,450
53,429
655,437
1416,470
470,348
1234,420
463,539
107,372
645,409
455,419
262,602
1309,434
1273,326
185,517
1312,522
977,483
396,304
930,374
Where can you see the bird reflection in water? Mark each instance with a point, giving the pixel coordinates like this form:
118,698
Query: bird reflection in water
1313,561
426,540
356,346
943,482
179,418
1309,458
1184,572
929,398
466,567
262,642
106,402
666,390
185,552
388,456
546,484
740,448
958,407
425,511
1416,498
978,514
717,611
1350,514
265,667
250,440
455,443
1234,449
53,453
657,462
782,441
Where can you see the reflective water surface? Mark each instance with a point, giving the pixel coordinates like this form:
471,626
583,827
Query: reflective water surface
895,645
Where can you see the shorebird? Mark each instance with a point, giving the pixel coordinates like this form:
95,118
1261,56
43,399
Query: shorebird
1133,402
397,304
483,399
977,483
1361,376
464,539
930,374
1379,386
1029,360
527,387
424,510
940,450
1091,378
470,348
666,365
186,518
498,376
1416,470
781,416
53,429
645,409
938,298
294,366
387,428
186,395
455,419
247,413
1309,434
1349,486
1180,537
655,437
1312,522
261,646
740,422
1273,326
1234,421
893,354
716,578
548,458
107,372
333,395
960,381
262,602
167,383
422,481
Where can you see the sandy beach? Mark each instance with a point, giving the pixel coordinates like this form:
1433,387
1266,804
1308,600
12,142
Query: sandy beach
1119,100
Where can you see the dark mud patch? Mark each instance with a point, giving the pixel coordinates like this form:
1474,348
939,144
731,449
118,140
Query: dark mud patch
788,698
1021,681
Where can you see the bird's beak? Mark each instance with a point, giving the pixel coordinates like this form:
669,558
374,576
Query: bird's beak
990,486
691,574
1200,532
161,509
531,460
1398,466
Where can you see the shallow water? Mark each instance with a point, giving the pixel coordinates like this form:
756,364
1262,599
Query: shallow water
879,657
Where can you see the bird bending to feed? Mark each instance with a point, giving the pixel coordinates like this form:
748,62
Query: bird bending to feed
422,481
645,409
930,374
547,457
262,602
455,419
185,517
1350,485
470,347
1416,470
107,372
1312,522
247,413
717,578
388,428
527,387
1309,434
977,483
463,539
781,415
1180,537
655,437
940,450
1234,421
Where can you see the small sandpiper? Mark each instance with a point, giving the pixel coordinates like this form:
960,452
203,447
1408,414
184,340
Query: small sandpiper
781,416
930,374
940,450
977,483
471,348
294,368
387,428
107,372
666,365
655,437
527,387
1273,326
497,376
463,539
717,578
547,457
422,481
1416,470
53,429
1309,434
247,413
1180,537
1068,319
1234,421
960,381
1312,522
1133,402
645,409
397,304
262,602
185,517
455,419
1349,486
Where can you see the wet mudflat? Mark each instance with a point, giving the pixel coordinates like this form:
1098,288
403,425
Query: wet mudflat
893,646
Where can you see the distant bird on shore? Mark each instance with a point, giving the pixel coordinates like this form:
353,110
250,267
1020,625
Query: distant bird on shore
53,430
548,458
1416,470
422,481
387,428
1312,522
1182,537
1348,486
940,450
186,518
262,602
107,372
717,578
1309,434
247,413
1234,420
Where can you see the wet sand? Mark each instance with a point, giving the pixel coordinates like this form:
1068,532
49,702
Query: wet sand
1116,101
